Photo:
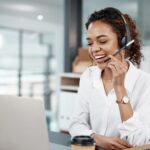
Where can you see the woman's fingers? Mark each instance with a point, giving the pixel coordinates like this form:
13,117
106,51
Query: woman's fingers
120,144
120,66
123,142
117,68
113,69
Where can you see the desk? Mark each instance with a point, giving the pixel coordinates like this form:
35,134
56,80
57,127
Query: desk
61,141
145,147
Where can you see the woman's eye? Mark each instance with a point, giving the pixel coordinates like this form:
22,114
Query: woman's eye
102,42
89,44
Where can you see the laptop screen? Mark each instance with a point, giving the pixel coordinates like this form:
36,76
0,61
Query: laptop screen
22,124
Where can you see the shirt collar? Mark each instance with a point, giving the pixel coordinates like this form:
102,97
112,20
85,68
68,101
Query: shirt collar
130,79
95,77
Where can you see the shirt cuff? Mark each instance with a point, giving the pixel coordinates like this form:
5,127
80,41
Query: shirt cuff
130,125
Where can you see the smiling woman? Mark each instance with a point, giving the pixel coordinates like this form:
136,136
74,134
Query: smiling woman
102,41
116,113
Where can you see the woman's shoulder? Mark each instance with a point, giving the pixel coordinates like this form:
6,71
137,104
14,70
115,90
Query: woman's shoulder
144,77
138,73
144,74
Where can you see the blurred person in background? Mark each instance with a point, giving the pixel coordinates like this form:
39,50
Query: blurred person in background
113,103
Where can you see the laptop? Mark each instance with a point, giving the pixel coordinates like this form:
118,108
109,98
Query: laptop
22,124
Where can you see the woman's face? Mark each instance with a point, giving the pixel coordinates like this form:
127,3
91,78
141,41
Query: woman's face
102,41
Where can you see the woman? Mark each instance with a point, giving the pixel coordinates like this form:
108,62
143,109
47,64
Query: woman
113,103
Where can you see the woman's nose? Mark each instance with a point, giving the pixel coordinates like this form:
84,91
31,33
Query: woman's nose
96,49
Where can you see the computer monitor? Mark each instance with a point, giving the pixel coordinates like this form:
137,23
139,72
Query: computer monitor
22,124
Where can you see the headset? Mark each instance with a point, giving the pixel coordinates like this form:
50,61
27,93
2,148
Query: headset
126,40
127,36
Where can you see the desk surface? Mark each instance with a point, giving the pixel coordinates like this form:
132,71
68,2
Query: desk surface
60,138
144,147
61,141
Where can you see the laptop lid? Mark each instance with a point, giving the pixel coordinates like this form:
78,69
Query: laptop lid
22,124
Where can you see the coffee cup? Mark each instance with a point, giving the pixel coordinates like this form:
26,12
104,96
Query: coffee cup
82,143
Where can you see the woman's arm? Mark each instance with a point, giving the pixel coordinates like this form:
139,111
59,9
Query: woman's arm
134,128
119,69
126,110
80,124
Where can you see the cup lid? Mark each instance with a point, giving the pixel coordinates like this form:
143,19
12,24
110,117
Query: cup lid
83,140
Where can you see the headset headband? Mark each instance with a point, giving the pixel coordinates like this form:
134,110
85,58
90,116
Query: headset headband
128,34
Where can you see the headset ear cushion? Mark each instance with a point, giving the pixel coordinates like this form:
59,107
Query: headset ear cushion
123,41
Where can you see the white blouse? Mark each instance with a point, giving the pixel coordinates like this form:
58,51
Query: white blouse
96,112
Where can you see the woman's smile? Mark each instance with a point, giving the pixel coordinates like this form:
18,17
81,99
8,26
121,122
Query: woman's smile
102,41
100,58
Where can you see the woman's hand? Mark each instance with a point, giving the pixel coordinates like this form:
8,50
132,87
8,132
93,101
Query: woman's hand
110,143
119,69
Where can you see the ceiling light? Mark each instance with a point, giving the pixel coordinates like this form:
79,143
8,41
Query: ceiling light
40,17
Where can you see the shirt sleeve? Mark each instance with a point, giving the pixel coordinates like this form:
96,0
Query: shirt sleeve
80,124
136,130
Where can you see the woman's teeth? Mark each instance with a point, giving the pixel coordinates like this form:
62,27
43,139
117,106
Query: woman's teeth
100,56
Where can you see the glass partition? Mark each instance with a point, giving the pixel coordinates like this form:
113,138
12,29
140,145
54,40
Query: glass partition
27,67
9,61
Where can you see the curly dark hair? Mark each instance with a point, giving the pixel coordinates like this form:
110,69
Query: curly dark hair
112,16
